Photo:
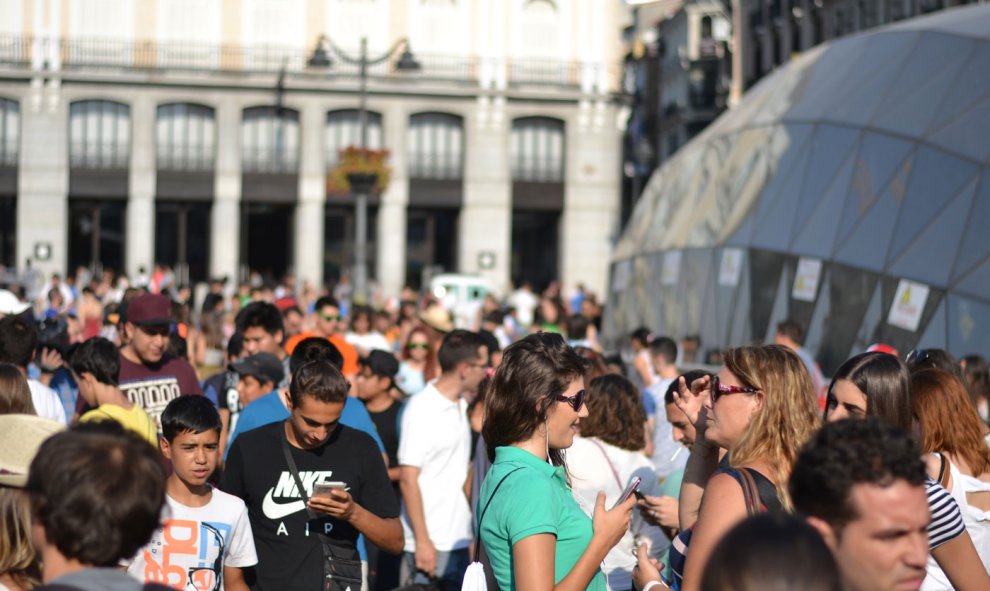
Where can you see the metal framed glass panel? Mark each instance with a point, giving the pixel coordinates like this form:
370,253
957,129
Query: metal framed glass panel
99,134
185,137
436,146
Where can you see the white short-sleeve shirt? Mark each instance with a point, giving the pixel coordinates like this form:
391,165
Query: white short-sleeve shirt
435,436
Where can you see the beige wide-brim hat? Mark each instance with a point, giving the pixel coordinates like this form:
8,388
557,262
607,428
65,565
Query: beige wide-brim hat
437,318
20,438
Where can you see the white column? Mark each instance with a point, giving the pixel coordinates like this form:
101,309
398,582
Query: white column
140,232
486,216
43,185
310,210
391,234
591,201
225,220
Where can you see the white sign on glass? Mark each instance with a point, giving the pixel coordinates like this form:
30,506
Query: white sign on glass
809,273
909,303
731,267
671,268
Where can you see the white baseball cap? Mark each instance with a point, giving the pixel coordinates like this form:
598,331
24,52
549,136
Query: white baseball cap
9,304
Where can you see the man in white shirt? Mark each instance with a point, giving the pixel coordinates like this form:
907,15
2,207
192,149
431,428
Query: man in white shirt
663,352
434,456
18,342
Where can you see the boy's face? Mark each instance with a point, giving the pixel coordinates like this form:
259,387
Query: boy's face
194,455
250,388
370,385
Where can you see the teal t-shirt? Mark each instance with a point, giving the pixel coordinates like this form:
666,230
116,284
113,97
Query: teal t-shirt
534,499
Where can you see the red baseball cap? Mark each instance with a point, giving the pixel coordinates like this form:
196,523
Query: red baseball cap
149,309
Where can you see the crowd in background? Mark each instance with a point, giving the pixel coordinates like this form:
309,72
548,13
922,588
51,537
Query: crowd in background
518,414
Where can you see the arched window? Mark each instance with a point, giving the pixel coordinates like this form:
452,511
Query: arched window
185,137
99,134
343,129
537,150
436,146
270,140
10,119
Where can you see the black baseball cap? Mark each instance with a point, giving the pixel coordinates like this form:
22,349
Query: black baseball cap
381,363
263,366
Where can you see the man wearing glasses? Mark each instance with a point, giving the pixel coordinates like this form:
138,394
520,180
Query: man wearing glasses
326,324
434,455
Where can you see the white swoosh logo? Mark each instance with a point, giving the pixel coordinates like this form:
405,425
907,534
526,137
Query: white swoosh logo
274,510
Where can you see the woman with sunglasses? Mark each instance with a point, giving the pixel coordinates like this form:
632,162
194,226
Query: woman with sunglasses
877,384
533,531
419,362
761,408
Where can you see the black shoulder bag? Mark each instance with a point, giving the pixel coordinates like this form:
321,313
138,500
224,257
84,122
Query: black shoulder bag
339,574
480,555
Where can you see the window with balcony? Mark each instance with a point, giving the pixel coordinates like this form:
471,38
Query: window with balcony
10,116
343,129
270,140
185,137
99,134
537,150
436,146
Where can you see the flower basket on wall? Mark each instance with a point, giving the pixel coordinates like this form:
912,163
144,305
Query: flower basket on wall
359,170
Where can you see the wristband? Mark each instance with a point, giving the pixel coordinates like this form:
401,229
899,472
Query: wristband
652,584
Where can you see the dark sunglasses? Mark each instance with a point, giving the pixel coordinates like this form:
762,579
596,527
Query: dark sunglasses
418,346
576,401
918,356
330,317
719,389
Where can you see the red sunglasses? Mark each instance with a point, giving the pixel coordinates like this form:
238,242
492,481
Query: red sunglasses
719,389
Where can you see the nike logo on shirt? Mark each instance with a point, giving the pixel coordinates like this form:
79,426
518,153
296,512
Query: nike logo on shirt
274,510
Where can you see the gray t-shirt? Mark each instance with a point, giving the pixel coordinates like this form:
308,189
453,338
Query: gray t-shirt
97,579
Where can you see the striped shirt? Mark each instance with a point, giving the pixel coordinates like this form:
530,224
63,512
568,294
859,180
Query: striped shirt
947,523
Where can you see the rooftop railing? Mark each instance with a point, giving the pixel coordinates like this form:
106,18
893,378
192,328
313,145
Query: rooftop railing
81,54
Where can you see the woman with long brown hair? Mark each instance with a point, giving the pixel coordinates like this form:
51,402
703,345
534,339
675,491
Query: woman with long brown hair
606,456
949,429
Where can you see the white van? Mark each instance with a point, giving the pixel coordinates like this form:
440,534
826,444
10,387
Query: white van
462,295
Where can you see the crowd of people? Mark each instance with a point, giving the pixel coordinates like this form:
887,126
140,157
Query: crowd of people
274,439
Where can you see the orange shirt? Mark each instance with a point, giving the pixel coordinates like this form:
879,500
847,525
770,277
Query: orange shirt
346,349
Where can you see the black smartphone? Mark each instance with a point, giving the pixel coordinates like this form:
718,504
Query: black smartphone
633,486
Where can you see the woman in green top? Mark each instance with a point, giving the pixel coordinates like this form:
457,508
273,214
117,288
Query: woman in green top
535,534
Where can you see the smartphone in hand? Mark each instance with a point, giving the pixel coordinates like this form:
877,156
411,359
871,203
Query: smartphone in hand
633,487
323,489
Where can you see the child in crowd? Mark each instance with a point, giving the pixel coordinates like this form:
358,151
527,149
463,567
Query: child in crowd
95,364
206,540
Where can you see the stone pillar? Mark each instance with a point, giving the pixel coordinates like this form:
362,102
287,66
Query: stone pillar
391,235
225,221
591,197
140,232
310,210
43,183
485,224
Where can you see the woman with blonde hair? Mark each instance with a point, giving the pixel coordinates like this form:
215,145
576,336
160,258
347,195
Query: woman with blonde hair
949,429
761,408
19,568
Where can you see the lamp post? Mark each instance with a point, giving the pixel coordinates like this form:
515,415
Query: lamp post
361,184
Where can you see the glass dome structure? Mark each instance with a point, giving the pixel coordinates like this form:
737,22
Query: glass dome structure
849,191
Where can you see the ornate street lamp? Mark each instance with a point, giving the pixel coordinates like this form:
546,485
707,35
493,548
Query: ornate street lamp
361,186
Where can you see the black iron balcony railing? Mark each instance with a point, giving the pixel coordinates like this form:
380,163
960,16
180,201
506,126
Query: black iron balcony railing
109,54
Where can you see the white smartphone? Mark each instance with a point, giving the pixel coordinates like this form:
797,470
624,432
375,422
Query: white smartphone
322,489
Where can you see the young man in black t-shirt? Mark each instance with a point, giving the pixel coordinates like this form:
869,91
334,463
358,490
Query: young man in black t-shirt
290,552
374,385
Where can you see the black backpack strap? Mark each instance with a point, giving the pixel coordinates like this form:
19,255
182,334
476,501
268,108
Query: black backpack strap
477,546
327,549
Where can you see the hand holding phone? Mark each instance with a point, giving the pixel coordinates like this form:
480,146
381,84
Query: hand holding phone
324,489
633,486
